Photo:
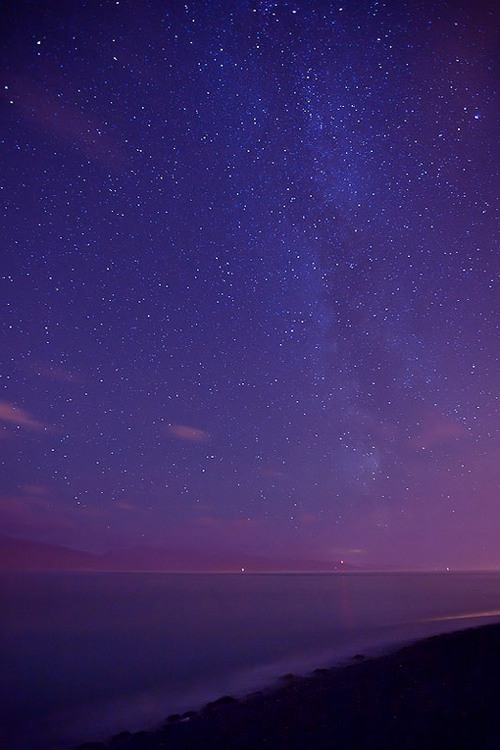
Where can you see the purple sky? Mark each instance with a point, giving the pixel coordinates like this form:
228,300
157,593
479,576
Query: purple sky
249,278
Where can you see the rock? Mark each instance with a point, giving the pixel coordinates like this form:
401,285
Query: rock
121,736
173,718
224,701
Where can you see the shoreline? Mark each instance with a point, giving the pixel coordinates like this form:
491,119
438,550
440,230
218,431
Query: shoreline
442,690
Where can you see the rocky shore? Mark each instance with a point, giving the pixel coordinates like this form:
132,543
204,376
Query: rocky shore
439,693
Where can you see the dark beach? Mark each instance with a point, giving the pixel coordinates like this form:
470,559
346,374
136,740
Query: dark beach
441,692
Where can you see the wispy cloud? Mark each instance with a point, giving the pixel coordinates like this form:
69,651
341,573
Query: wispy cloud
189,434
70,126
29,513
35,490
436,431
14,415
57,373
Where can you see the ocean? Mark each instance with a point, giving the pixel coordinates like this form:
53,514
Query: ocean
86,655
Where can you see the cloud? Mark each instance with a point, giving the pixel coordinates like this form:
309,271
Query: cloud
437,430
189,434
12,414
34,490
229,524
70,126
57,373
120,505
346,552
273,473
26,514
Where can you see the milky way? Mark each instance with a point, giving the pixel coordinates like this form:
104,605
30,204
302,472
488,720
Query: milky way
249,282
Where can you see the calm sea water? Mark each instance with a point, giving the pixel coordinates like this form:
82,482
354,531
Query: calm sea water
85,655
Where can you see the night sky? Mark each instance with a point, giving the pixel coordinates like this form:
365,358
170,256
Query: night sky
249,278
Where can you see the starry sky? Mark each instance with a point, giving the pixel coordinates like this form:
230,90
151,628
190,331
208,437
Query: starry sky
249,282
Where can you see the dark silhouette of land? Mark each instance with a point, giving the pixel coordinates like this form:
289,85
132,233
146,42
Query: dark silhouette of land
441,693
29,554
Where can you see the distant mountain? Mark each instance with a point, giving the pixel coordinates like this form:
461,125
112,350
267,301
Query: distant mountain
26,554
